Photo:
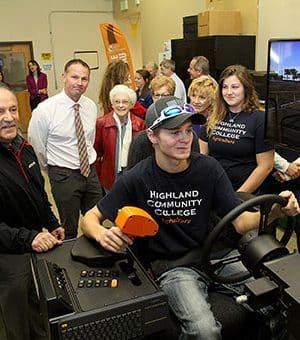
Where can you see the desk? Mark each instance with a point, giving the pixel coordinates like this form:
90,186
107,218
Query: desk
24,110
129,311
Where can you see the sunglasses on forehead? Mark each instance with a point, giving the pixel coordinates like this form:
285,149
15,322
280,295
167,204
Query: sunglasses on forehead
172,111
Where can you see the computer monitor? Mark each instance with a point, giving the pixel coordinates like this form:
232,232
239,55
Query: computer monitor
283,94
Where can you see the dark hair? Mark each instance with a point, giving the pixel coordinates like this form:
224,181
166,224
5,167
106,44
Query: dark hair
146,76
2,80
75,61
117,72
34,62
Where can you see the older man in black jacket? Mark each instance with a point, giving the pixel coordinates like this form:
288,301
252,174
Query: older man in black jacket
24,213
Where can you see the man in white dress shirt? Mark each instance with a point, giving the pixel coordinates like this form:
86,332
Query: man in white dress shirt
53,135
167,68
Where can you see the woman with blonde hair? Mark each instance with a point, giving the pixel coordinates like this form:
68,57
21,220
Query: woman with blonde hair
234,133
202,93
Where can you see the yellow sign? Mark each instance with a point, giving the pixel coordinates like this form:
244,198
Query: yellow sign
46,56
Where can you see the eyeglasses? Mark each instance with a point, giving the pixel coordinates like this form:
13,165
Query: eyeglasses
160,95
118,102
172,111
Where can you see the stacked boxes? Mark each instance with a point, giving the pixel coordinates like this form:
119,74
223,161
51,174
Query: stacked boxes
219,23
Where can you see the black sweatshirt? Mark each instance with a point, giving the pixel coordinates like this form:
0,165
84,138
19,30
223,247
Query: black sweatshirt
24,205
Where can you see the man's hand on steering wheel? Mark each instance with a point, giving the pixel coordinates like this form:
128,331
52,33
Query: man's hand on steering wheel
287,205
292,208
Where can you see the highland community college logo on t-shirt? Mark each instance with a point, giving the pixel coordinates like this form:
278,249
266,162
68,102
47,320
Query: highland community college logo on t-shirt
228,132
175,207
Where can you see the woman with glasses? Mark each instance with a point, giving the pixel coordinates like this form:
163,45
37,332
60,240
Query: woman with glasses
114,133
142,80
162,86
117,72
202,93
234,133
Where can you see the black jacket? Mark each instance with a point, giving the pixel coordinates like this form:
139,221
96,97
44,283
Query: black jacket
24,205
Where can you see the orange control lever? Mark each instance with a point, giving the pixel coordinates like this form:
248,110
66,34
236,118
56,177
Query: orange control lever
134,221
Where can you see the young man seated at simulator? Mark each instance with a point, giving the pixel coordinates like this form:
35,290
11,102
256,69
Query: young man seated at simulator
178,189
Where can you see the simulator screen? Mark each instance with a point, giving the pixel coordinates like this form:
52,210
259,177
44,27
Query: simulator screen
283,93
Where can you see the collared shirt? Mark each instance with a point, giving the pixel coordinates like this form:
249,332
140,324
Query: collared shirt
179,89
52,132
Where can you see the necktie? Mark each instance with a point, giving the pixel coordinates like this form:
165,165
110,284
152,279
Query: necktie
82,149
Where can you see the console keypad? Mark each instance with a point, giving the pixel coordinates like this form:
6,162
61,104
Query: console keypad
98,278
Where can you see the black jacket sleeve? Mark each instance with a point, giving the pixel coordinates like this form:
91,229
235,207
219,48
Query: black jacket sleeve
15,240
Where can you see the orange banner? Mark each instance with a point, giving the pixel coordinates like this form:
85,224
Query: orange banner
116,47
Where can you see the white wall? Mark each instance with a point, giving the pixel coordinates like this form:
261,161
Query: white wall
60,27
276,19
81,33
162,20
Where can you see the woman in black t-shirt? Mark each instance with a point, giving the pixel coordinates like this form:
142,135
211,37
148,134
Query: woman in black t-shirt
234,133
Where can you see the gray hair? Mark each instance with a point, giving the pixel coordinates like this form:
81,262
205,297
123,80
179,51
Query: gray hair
169,64
201,64
123,89
8,88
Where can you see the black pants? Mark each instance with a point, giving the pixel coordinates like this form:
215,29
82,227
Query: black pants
73,193
35,102
20,309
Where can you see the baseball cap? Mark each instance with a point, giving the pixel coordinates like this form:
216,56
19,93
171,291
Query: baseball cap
170,112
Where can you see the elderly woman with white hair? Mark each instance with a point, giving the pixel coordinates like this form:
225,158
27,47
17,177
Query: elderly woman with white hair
114,133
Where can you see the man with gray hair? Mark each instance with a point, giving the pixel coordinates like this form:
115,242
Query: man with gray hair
24,213
167,68
199,66
152,68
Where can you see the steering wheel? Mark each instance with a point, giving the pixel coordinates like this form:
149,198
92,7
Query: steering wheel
265,203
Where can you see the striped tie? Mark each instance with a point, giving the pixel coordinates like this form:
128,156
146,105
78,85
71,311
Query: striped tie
82,149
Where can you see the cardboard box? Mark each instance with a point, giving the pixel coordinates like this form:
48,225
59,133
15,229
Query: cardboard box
219,23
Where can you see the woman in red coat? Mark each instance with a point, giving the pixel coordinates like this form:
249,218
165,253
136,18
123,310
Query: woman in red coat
114,133
36,84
